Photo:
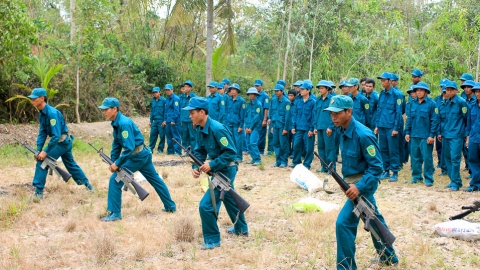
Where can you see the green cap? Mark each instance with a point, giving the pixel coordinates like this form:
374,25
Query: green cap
352,82
340,103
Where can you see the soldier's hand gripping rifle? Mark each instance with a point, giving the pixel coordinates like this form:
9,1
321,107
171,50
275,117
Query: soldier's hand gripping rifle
124,175
49,162
470,209
363,209
219,181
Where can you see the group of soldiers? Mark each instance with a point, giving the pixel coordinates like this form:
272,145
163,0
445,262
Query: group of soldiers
406,127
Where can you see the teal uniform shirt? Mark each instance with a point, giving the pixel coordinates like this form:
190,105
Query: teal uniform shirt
423,120
52,124
157,111
389,110
253,115
172,110
453,115
372,104
303,114
322,119
360,108
126,136
473,123
184,99
264,99
235,112
278,112
216,107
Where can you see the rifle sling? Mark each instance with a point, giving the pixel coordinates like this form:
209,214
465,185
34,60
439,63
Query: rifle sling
212,196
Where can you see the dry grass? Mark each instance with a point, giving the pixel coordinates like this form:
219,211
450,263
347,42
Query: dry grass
63,230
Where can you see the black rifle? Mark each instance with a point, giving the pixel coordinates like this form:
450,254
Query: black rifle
49,162
470,209
124,175
363,209
219,181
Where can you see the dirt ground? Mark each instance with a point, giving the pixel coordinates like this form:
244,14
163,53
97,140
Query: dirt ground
63,230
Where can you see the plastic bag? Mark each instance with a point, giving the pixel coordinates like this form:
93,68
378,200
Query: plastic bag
139,178
310,204
204,185
306,179
460,229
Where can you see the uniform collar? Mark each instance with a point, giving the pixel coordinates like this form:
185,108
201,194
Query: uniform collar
454,99
206,127
349,131
215,95
45,109
117,119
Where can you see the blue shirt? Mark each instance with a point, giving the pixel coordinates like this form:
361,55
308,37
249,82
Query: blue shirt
216,107
184,100
157,110
470,101
216,141
322,119
360,108
361,154
304,114
172,109
473,123
372,108
423,120
126,136
253,114
52,124
453,115
279,111
264,99
389,110
235,112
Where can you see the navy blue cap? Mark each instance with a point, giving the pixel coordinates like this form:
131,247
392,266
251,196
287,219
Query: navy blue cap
197,103
38,92
156,89
467,83
417,73
385,75
258,82
188,82
421,85
466,77
298,83
168,86
340,103
109,102
212,84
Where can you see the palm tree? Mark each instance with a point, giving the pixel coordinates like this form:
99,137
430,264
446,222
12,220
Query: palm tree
182,14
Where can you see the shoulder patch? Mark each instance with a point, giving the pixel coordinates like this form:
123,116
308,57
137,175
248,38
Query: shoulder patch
436,110
287,107
125,134
266,100
464,110
258,110
399,101
53,122
367,106
223,102
331,101
224,141
371,150
243,106
176,103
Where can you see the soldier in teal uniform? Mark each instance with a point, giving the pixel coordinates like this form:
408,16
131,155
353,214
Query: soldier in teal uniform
157,121
324,127
214,139
372,97
264,99
361,106
235,114
473,141
361,167
470,98
439,100
253,125
278,122
188,133
172,121
52,124
134,157
216,103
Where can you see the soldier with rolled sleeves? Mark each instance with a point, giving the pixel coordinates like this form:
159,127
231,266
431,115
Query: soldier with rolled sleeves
361,167
470,98
264,99
253,125
134,157
157,121
278,122
172,121
439,100
303,126
213,139
473,141
324,127
453,114
420,132
235,115
216,104
387,126
188,132
52,124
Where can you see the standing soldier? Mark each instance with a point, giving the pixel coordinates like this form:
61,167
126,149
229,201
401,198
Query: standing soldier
135,157
422,127
172,121
360,102
387,126
302,127
235,114
470,98
401,130
253,125
157,121
324,127
372,97
188,132
292,94
361,167
453,114
278,123
213,139
473,141
439,100
216,104
265,101
52,124
416,76
465,77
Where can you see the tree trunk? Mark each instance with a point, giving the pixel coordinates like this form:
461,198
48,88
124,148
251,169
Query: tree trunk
209,44
72,21
72,40
280,45
313,42
478,60
77,101
285,66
